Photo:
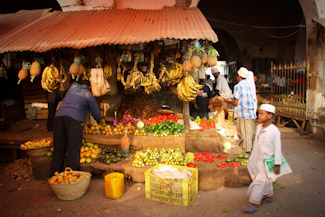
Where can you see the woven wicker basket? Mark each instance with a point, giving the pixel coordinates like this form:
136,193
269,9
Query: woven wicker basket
36,152
41,151
72,191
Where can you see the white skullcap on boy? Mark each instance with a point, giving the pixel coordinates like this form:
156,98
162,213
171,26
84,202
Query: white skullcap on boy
243,72
268,107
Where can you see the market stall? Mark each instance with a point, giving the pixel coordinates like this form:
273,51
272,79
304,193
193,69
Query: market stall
144,87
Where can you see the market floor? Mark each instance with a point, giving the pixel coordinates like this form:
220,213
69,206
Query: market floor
297,194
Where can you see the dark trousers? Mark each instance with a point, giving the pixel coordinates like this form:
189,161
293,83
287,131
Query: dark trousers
67,137
53,100
200,114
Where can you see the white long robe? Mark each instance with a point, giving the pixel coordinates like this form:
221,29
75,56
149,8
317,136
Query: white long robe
250,79
267,143
223,86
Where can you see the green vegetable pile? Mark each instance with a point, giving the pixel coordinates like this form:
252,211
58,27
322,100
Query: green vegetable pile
166,128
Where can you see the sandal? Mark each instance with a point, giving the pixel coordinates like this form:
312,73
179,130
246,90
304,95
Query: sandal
266,200
250,209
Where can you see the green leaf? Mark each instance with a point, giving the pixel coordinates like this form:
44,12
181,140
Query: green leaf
225,211
277,186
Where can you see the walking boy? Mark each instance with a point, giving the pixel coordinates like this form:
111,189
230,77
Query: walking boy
265,160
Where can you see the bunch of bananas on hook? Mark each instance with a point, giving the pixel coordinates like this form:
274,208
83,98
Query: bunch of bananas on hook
187,88
164,79
151,83
107,71
50,78
175,73
135,77
133,80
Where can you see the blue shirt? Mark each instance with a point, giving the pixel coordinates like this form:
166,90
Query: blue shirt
245,107
77,102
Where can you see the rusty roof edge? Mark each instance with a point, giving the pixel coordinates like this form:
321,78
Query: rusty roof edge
75,44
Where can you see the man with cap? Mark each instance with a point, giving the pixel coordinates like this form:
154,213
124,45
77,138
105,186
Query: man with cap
222,87
243,101
265,161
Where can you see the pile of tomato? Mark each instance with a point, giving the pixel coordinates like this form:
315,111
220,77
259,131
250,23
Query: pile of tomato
205,124
209,158
162,118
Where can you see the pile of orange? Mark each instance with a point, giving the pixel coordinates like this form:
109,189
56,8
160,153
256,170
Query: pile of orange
89,152
119,129
68,176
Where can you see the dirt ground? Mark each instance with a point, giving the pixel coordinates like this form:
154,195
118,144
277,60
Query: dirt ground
298,194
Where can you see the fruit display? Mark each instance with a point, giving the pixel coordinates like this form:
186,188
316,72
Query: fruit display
76,68
224,160
35,69
108,71
68,176
164,76
106,129
175,73
155,156
50,153
205,123
162,118
89,152
23,72
188,89
151,83
212,55
195,58
50,78
135,77
165,128
36,144
140,132
111,155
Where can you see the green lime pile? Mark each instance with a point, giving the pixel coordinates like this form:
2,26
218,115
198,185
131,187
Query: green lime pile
166,128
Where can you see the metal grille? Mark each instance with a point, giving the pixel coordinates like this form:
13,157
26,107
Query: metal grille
288,89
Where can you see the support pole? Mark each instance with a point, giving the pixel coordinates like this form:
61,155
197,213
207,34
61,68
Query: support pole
186,115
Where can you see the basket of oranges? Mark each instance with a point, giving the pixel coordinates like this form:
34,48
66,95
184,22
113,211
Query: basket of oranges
37,148
70,185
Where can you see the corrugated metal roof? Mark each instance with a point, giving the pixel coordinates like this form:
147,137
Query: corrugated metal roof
41,30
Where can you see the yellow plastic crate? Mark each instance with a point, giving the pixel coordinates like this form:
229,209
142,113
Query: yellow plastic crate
174,191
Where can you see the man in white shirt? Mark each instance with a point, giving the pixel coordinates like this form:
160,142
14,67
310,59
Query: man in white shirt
222,87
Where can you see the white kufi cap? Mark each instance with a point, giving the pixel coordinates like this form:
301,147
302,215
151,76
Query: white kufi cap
243,72
268,108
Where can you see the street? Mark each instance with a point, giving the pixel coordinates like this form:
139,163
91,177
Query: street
298,194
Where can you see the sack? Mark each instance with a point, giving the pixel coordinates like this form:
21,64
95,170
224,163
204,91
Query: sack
99,84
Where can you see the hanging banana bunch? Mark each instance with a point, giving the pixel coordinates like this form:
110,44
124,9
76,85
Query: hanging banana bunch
176,73
135,77
122,75
188,89
125,57
164,76
63,79
86,73
151,83
50,78
107,71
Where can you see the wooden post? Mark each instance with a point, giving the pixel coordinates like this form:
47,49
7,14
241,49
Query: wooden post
186,115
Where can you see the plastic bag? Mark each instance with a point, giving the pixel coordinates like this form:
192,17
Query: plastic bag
99,84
